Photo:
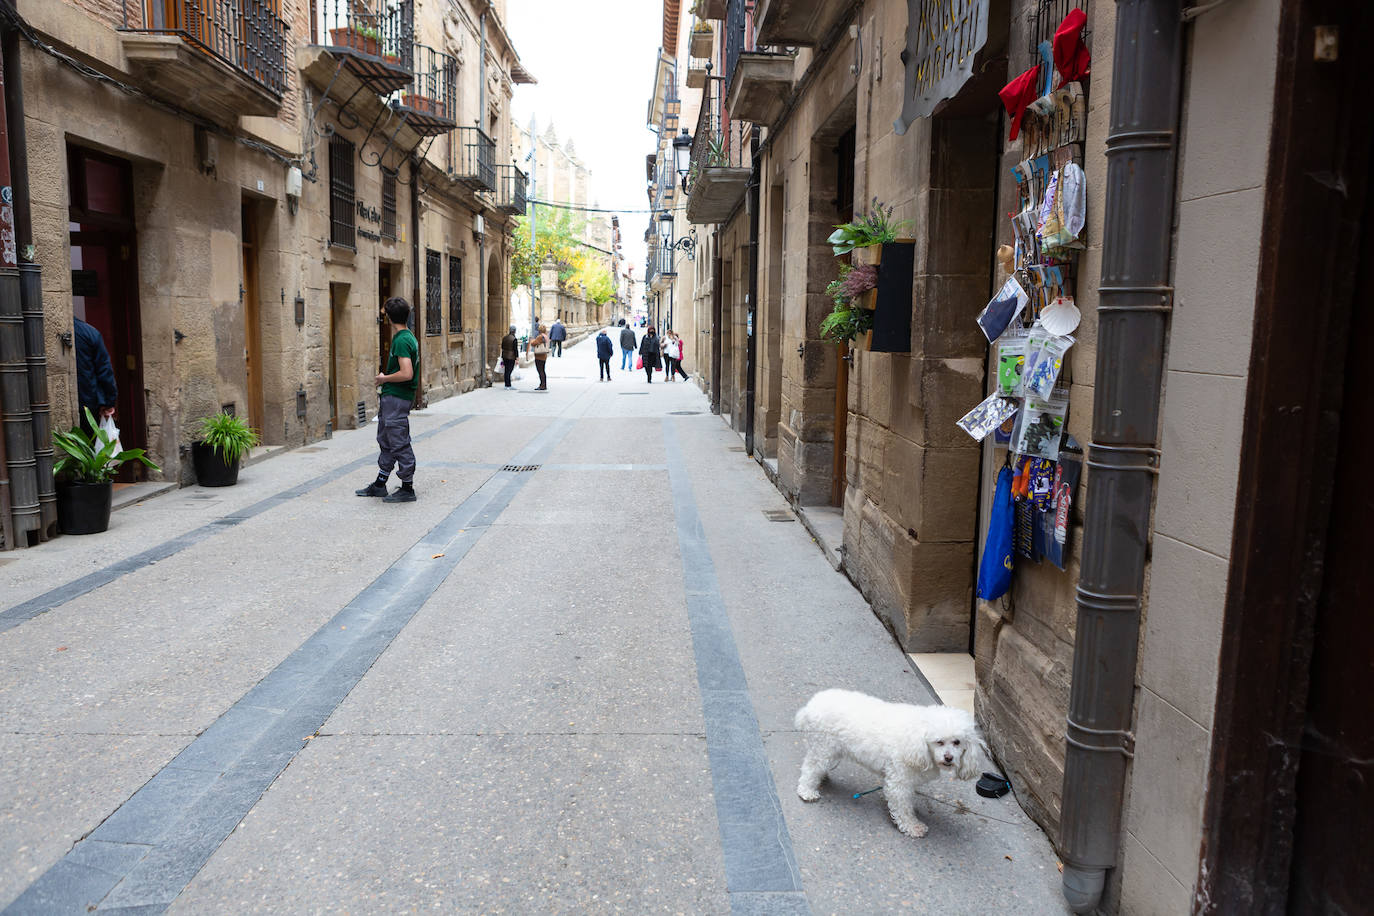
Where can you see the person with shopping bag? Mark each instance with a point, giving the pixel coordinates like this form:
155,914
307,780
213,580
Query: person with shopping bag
539,349
648,354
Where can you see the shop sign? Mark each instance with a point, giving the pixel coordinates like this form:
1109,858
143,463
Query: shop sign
371,214
943,37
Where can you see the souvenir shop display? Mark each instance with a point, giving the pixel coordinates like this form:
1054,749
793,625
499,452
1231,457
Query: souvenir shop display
1031,320
987,416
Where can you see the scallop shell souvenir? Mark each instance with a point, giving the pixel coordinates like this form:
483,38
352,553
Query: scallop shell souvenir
1060,317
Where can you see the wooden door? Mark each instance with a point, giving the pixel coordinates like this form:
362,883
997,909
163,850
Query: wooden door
252,329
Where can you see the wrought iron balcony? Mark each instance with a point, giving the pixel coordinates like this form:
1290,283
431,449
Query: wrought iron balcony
374,39
475,160
758,79
224,58
720,169
430,102
796,22
510,197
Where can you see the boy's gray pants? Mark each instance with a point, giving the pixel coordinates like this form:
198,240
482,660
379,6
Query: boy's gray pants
393,438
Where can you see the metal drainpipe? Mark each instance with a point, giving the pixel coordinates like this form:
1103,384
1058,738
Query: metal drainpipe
1135,299
751,349
30,287
482,381
20,496
415,273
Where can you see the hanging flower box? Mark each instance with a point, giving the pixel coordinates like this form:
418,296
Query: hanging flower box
424,104
703,41
891,299
349,37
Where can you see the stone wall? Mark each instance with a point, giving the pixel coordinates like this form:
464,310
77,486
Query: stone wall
193,291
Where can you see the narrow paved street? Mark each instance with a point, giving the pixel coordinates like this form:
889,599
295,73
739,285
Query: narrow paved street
561,682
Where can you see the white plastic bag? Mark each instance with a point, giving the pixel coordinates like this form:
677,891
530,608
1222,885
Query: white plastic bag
107,426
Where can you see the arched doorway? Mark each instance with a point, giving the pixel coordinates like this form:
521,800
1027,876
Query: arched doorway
498,309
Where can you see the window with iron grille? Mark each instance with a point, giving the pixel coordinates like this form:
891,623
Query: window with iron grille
434,293
342,229
455,295
388,203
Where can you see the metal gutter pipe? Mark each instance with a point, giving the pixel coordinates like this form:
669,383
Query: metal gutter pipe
30,286
1135,299
483,380
416,267
751,348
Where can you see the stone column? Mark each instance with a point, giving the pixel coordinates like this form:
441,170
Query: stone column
548,294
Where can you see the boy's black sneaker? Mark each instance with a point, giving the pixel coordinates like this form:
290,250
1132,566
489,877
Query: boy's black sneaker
403,495
372,489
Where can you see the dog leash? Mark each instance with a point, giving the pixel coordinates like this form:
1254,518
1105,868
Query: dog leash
869,792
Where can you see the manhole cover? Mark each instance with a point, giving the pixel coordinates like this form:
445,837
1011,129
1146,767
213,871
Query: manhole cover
521,468
684,413
779,515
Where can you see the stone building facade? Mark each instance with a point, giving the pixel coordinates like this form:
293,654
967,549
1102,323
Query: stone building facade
228,194
848,103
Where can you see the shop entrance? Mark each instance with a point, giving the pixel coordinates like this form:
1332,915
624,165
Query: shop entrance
338,351
252,330
104,265
386,284
844,212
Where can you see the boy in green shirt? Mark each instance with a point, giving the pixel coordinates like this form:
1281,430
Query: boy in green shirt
398,383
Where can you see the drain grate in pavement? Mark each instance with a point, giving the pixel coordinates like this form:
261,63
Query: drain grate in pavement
683,413
779,515
626,393
309,450
734,448
521,468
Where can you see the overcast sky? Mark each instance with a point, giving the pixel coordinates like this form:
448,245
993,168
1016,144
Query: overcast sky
594,60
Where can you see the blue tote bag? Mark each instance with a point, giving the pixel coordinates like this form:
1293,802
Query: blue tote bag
994,573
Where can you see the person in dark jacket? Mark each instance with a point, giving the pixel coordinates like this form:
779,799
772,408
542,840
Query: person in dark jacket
648,351
96,388
510,352
627,346
557,334
604,351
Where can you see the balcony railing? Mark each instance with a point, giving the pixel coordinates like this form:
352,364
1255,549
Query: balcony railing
738,41
430,102
721,164
374,37
476,165
510,196
248,35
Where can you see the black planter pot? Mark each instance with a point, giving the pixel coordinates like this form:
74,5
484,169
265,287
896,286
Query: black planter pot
84,508
211,468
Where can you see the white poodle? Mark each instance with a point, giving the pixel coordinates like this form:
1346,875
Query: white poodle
906,745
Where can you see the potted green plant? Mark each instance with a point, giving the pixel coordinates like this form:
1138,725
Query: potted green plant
224,440
868,231
362,38
852,317
85,476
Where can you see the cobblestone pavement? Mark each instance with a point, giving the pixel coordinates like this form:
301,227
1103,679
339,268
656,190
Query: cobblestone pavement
563,681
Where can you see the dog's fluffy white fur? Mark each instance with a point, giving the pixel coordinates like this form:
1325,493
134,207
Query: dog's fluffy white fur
904,744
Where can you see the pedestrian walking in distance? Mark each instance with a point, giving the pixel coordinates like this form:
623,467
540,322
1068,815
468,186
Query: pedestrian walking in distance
628,344
675,350
510,352
557,334
604,351
96,388
399,382
539,349
648,351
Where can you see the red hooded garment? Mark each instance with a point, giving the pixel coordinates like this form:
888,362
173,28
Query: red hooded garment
1071,58
1019,93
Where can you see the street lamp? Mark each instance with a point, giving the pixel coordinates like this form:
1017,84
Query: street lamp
687,244
682,156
